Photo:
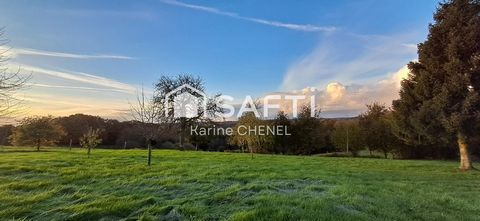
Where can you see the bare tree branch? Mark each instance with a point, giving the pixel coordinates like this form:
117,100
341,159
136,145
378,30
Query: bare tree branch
10,82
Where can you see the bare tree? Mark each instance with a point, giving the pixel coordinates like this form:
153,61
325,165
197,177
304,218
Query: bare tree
10,82
167,84
150,116
90,139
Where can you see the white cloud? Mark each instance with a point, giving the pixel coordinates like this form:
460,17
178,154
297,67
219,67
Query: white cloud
79,77
75,87
13,52
348,100
297,27
355,97
334,92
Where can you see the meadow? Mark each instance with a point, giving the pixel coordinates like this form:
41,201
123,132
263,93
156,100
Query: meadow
62,184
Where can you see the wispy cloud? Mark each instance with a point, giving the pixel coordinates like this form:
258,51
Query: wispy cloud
63,92
76,87
347,58
297,27
411,46
29,51
345,71
131,13
79,77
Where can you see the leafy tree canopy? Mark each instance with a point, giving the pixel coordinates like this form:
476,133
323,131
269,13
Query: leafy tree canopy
38,131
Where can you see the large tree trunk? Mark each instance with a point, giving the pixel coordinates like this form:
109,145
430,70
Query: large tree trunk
38,144
465,163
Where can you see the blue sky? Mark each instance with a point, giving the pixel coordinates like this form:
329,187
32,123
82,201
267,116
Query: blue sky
107,49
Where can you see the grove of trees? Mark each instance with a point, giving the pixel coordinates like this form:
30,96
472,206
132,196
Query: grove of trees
347,136
37,131
376,129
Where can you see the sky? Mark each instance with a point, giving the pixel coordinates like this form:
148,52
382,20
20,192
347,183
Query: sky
93,56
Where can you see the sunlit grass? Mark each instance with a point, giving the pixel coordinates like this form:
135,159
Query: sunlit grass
58,184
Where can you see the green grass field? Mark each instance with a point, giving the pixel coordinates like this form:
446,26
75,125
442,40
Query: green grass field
58,184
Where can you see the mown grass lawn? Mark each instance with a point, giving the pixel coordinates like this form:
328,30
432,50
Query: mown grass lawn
58,184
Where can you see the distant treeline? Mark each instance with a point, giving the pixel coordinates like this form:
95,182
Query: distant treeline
114,133
371,133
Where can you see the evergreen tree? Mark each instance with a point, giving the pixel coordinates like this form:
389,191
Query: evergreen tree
439,101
